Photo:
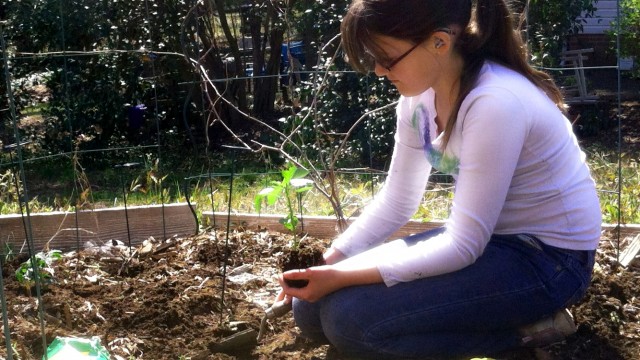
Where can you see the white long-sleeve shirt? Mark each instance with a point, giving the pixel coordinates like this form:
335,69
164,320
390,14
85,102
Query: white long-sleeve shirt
518,170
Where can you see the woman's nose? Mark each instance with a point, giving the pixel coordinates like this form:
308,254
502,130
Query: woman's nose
380,70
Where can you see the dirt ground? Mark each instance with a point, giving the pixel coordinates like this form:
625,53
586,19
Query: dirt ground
166,302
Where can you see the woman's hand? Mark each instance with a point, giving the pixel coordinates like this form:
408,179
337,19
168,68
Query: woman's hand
331,256
322,280
326,279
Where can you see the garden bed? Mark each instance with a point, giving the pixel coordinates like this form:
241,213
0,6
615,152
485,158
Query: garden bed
166,302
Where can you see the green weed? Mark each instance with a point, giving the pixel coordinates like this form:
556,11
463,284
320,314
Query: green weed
617,198
38,267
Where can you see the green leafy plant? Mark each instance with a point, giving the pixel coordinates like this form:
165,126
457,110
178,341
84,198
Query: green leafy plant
151,183
548,24
39,266
629,26
292,186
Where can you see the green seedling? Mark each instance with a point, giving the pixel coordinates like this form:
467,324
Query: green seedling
40,263
292,184
7,253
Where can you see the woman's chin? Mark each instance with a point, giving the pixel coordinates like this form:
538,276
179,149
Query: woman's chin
407,91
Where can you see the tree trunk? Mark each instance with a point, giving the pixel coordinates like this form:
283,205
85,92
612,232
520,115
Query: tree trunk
238,87
233,91
266,87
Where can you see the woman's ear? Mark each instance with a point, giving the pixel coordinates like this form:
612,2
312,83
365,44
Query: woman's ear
441,40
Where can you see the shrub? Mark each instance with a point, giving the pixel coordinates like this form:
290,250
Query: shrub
629,25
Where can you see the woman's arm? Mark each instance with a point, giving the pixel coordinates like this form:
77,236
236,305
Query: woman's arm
402,192
333,256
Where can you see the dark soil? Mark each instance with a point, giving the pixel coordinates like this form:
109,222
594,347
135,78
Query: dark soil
598,123
303,256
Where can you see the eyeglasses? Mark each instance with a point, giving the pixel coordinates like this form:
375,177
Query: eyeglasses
371,62
394,62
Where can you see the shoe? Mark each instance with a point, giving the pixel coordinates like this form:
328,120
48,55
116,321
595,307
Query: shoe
548,330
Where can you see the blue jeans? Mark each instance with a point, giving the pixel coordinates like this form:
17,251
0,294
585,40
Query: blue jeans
475,311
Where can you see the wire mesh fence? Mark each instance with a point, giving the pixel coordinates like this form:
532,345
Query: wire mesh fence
138,158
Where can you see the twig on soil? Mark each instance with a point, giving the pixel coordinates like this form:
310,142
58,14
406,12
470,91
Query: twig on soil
90,309
127,261
198,287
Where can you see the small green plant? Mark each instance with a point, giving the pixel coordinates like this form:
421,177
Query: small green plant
8,193
7,252
292,186
40,263
14,350
150,183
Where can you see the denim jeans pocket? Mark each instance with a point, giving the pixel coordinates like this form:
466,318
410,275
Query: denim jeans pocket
580,263
573,275
566,273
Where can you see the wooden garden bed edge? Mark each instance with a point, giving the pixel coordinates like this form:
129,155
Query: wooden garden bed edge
64,230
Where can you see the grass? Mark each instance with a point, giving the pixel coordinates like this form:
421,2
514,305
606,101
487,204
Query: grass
356,190
604,169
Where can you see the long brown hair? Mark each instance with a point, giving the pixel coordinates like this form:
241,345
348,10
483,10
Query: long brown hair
490,33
